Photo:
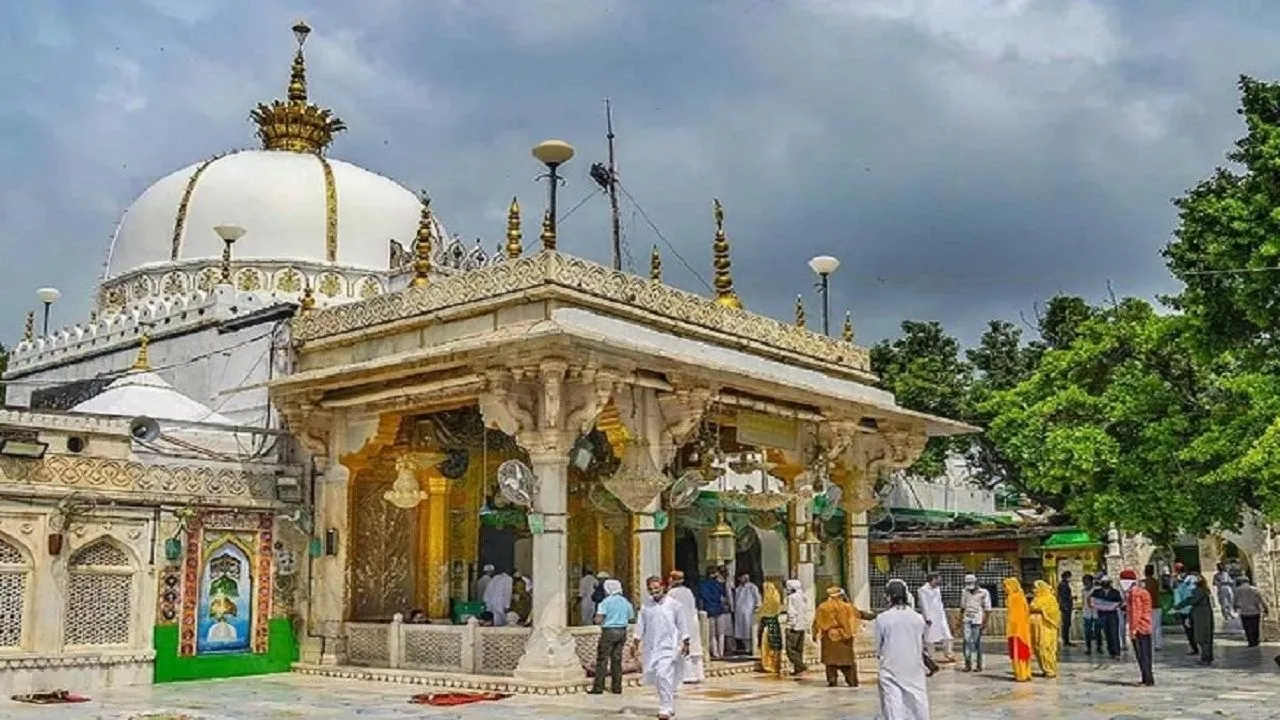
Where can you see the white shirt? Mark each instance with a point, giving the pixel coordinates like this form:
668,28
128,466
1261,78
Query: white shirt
798,612
975,604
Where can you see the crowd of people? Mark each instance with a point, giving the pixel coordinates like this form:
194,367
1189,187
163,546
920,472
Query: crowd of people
749,620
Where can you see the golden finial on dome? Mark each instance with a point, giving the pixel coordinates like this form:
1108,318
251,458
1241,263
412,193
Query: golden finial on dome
846,333
720,249
422,244
143,363
800,311
296,124
29,332
514,236
308,302
655,265
548,236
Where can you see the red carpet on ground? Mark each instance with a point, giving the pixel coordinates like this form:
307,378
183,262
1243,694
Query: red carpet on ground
451,699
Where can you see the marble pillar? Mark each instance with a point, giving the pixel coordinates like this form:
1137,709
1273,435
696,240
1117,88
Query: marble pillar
858,558
326,599
550,654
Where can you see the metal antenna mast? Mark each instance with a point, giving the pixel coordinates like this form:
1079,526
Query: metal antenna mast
607,179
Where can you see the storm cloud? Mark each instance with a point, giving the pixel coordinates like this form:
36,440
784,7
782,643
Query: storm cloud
963,159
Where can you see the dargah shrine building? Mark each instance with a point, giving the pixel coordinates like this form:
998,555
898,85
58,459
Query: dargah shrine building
301,410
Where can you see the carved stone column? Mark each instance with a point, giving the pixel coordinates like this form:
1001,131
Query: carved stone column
546,407
857,545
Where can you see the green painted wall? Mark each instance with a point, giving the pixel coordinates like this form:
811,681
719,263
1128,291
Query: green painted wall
282,651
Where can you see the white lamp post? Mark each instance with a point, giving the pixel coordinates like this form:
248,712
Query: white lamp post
824,265
48,296
553,154
229,235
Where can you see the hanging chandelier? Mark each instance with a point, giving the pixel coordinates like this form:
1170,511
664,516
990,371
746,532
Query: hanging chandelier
637,481
405,492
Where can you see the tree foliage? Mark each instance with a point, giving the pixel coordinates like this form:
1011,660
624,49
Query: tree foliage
1228,237
925,372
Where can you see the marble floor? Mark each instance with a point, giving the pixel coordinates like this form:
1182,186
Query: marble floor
1243,685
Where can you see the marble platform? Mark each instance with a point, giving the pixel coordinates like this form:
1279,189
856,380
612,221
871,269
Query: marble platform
1244,685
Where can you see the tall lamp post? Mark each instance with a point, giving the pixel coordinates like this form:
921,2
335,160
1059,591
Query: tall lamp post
48,296
824,265
229,234
553,154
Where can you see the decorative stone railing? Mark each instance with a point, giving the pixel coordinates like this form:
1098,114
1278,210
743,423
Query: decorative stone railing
469,649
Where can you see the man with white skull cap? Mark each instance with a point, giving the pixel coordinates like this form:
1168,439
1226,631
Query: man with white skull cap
975,603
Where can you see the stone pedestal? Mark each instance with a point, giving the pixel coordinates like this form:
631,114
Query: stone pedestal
550,654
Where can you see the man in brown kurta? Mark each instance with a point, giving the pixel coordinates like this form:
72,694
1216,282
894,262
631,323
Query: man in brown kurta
836,623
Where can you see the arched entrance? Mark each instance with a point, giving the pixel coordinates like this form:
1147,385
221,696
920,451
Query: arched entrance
748,559
687,555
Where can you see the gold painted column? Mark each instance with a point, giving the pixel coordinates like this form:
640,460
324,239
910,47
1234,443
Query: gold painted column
433,554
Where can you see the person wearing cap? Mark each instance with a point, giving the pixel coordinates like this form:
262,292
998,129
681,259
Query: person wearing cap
1155,589
899,635
694,669
1128,579
797,625
664,639
613,615
482,582
975,603
1107,601
1141,617
835,624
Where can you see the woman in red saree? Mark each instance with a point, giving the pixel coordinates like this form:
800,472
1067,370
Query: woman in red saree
1018,629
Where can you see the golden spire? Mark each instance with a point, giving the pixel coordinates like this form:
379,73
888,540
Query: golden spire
29,332
723,280
514,248
548,232
655,265
422,245
143,363
308,302
800,311
847,333
296,124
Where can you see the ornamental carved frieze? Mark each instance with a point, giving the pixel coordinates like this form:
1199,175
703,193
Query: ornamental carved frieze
552,269
123,475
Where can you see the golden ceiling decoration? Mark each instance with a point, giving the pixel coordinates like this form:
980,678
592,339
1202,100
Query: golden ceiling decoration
638,482
295,124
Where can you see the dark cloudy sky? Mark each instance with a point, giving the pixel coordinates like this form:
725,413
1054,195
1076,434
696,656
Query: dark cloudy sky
964,158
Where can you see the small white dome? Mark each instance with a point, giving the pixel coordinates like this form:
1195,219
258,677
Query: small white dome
282,199
146,394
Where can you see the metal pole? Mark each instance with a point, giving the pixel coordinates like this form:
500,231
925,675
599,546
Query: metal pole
46,319
553,176
826,319
613,191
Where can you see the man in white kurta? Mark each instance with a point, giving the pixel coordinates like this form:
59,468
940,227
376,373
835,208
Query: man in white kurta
482,583
746,598
586,589
664,638
694,670
497,598
937,630
900,645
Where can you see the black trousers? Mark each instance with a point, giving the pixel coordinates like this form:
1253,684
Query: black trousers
1066,625
609,658
1252,627
1189,628
1111,631
1142,650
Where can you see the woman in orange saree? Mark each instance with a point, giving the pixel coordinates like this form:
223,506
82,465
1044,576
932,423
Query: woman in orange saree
1018,629
1046,623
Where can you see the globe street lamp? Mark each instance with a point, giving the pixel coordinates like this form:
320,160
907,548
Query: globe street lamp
553,154
824,265
229,235
48,296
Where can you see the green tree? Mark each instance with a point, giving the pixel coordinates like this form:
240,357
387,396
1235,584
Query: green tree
1109,424
1227,243
925,372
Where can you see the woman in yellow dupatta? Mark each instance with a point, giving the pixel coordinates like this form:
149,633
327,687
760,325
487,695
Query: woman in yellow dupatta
1046,624
770,629
1018,629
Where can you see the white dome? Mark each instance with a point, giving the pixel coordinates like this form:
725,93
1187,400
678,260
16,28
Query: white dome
281,199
